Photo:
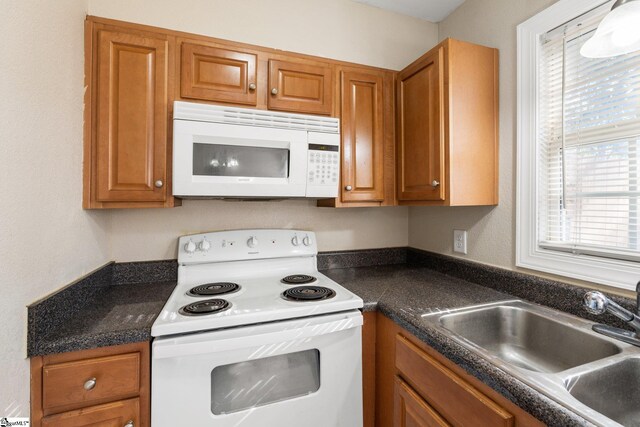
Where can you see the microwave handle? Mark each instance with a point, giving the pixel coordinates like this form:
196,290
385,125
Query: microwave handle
173,348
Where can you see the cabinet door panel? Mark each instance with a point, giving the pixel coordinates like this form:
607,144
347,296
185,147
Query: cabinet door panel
301,88
410,410
132,117
458,401
362,137
115,414
421,130
216,74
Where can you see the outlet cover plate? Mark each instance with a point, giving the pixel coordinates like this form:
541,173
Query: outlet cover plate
460,241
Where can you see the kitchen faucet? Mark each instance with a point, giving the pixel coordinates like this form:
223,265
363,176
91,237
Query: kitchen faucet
597,303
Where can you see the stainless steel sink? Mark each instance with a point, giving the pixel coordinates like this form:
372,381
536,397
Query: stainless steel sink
555,353
531,341
613,391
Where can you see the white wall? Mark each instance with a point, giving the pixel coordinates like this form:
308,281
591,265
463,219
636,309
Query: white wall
339,29
143,235
491,230
46,240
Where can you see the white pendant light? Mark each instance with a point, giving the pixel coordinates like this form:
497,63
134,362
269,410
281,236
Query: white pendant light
618,33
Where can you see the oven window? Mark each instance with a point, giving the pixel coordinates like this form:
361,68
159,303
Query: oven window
241,161
260,382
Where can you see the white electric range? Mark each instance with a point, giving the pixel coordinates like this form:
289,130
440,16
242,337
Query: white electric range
254,335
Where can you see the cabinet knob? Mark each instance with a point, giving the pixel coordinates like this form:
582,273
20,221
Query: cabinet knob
129,424
274,91
159,183
90,384
252,86
435,183
348,188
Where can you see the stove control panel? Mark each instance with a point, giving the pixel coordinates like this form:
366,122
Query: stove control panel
237,245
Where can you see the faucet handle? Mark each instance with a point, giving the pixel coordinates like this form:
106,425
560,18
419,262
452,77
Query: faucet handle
595,302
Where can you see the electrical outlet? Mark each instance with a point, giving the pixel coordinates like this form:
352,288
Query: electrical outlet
460,241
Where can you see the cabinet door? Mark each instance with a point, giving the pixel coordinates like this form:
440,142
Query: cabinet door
124,413
300,87
410,410
362,136
421,137
216,74
131,148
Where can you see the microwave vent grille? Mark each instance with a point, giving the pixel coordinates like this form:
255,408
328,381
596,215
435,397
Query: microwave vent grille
253,117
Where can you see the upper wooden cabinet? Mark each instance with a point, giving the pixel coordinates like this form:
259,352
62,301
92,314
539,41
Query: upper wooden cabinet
127,125
216,74
300,87
427,135
420,133
368,146
447,127
362,112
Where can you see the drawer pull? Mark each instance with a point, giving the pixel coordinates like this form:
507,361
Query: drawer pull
129,424
252,86
90,384
274,91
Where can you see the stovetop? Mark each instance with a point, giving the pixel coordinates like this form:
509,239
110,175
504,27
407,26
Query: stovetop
261,295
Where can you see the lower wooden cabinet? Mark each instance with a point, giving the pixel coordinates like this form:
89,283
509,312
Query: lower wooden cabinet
104,387
415,386
125,413
458,401
410,410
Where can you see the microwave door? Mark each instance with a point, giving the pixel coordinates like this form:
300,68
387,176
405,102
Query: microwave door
223,160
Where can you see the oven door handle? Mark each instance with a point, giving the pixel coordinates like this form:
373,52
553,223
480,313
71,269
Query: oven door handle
206,344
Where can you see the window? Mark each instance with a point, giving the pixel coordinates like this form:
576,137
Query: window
578,150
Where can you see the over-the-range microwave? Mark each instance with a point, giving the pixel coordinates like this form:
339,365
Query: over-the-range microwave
228,152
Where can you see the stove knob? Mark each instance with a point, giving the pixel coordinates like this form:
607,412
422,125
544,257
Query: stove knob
190,247
307,241
252,242
295,241
205,245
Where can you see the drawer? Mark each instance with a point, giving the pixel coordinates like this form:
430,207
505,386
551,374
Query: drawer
449,394
123,413
84,382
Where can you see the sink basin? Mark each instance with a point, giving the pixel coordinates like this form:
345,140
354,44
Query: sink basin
613,391
524,338
555,353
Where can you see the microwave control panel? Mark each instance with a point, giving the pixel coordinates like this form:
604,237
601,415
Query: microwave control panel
323,169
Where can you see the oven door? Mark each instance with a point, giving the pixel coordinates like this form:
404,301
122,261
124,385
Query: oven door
225,160
305,372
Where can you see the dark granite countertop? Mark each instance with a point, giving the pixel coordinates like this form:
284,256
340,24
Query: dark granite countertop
96,312
403,293
123,314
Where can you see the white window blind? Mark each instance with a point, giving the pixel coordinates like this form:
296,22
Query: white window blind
588,147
